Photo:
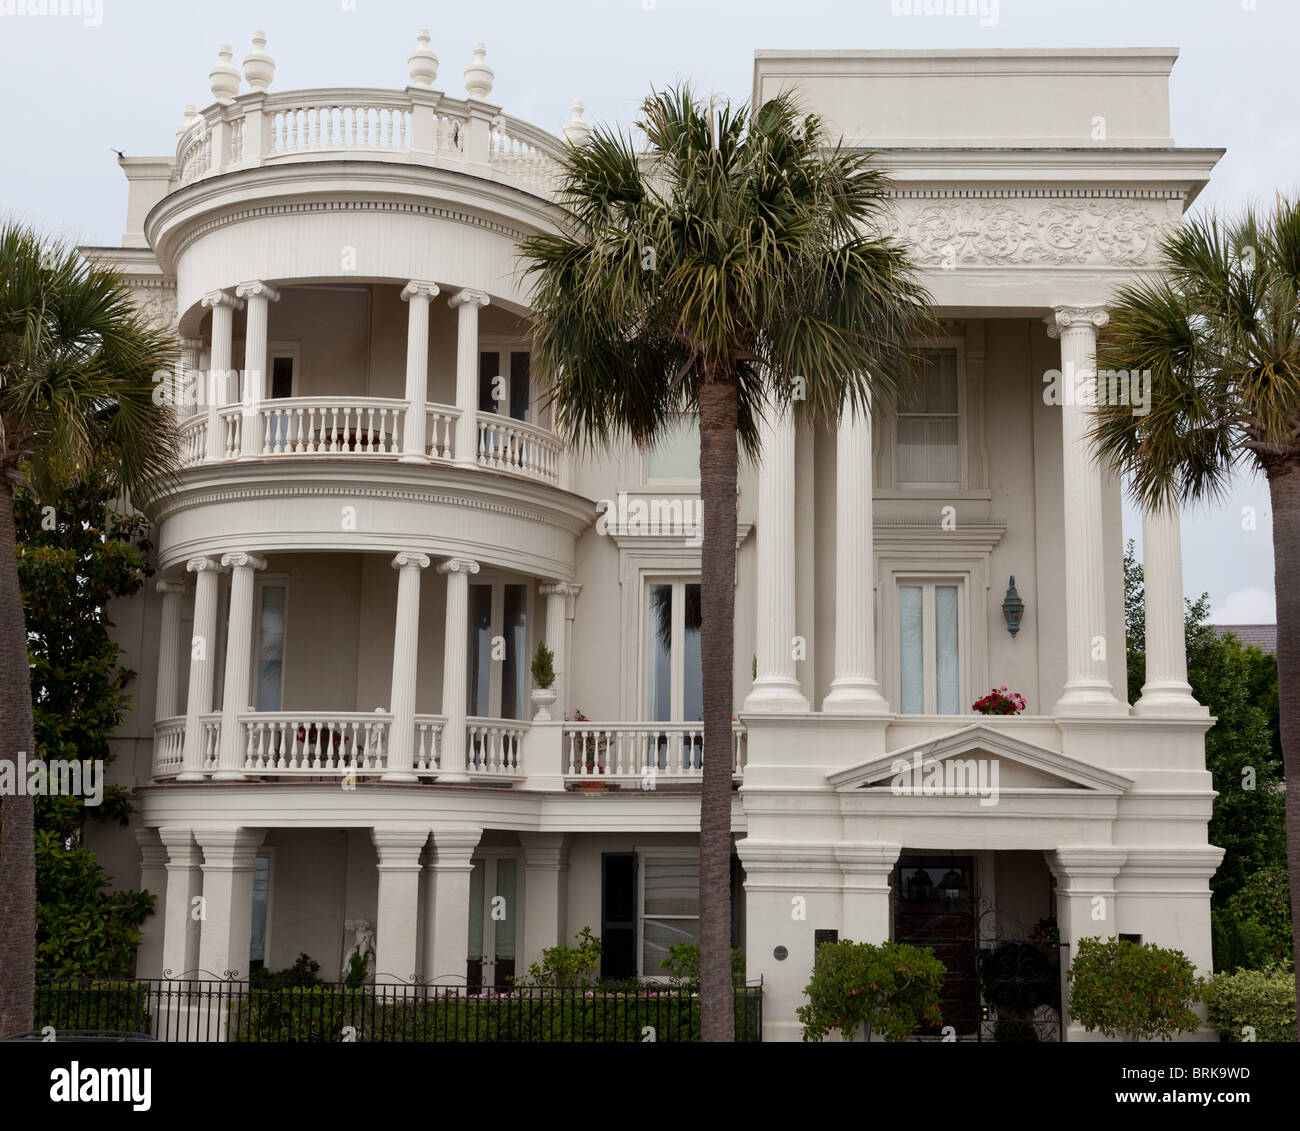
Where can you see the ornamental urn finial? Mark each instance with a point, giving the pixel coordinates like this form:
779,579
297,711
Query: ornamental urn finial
576,131
422,64
259,67
478,75
190,114
224,78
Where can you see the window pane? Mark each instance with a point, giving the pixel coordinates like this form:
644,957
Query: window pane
520,392
927,449
940,382
476,910
693,674
911,650
270,652
261,889
506,917
480,649
948,673
515,667
489,369
659,936
660,665
672,886
677,455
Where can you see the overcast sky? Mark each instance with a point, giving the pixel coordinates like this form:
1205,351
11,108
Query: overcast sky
118,73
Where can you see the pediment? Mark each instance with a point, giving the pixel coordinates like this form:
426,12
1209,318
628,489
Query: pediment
969,754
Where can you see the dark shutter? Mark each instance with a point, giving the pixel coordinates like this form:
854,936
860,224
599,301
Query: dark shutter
618,915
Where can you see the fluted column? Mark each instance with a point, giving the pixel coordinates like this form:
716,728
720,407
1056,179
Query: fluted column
259,297
191,378
198,700
1087,675
557,605
169,629
467,303
1165,690
215,392
417,295
239,663
854,689
455,663
776,687
406,650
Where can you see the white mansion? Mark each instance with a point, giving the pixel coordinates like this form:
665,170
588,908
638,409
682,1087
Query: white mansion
335,732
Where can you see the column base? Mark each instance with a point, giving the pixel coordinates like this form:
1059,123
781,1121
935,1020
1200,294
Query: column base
228,775
777,694
453,776
189,775
855,696
399,775
1089,698
413,457
1174,698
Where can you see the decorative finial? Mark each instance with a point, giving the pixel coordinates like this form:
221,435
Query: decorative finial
224,78
478,75
576,131
259,67
422,64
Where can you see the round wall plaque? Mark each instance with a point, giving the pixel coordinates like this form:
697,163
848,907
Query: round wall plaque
780,954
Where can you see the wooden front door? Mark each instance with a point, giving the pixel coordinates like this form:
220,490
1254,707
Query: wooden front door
934,906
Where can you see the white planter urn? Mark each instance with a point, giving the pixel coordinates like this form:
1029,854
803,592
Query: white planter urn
224,79
478,75
543,698
576,131
422,64
259,67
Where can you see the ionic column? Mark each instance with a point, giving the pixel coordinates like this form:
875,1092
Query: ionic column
455,663
776,687
229,857
182,909
259,296
467,303
191,353
1166,690
198,701
1087,680
169,631
153,879
854,689
239,663
417,295
557,605
406,651
446,931
215,392
398,905
570,612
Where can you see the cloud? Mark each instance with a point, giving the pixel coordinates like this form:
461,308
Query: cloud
1246,606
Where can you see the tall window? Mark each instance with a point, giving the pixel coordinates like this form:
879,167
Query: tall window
675,679
270,649
261,907
929,615
677,455
498,650
493,921
670,907
505,383
927,434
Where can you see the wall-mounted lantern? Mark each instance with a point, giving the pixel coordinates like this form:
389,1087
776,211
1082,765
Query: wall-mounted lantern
1013,608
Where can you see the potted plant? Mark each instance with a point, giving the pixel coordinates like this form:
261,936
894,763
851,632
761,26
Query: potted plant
543,696
999,701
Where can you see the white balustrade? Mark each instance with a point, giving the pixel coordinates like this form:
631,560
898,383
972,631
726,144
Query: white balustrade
323,742
440,434
211,745
168,746
194,440
492,746
327,426
195,156
506,444
522,159
428,743
340,125
604,751
230,420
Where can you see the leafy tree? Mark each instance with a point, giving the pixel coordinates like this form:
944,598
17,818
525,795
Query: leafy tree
731,268
1230,679
893,989
77,554
77,368
1141,991
1218,330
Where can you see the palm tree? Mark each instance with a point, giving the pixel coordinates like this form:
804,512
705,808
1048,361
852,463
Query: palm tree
77,390
1219,332
732,267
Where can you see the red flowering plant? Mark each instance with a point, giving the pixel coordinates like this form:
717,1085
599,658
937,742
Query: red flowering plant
594,745
1000,701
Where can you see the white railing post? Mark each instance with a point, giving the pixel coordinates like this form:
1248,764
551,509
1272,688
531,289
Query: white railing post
541,756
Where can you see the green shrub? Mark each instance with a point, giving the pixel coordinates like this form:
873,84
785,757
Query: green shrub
120,1007
1258,1000
1141,991
1265,901
303,972
543,667
567,966
683,965
892,988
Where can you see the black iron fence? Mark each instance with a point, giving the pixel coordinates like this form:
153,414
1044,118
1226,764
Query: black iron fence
221,1010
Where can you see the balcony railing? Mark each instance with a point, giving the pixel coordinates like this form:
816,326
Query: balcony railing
294,742
506,444
329,426
494,747
641,751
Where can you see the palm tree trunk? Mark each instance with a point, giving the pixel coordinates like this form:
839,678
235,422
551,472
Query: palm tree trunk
17,813
717,651
1284,488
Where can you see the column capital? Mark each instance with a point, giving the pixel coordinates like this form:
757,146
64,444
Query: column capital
182,852
411,558
257,289
221,298
153,853
469,297
229,847
399,847
170,588
1082,866
1065,318
454,846
556,589
545,850
419,287
458,565
203,565
241,559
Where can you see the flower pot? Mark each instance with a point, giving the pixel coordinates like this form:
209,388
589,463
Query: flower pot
543,698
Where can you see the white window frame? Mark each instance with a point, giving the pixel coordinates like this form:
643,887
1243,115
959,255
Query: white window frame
498,582
644,855
261,581
491,858
962,480
503,345
928,582
677,665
